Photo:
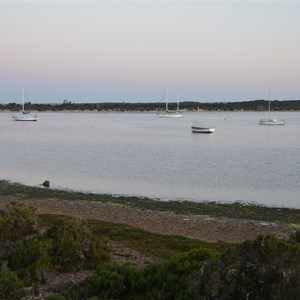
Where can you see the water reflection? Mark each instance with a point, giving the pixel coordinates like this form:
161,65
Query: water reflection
144,155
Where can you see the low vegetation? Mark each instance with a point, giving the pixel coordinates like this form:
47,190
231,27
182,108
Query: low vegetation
267,268
147,243
34,247
29,253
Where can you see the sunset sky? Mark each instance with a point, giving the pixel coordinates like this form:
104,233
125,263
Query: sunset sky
129,51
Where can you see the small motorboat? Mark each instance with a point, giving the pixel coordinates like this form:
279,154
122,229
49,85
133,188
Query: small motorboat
200,128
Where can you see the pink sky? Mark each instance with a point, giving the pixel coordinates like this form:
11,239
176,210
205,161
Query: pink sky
98,51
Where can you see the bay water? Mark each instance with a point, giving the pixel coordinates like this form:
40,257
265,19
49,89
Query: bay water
143,155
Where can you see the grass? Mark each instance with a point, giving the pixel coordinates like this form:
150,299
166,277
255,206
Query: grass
149,243
145,242
210,209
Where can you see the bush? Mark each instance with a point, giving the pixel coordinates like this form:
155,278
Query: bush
17,221
295,238
30,259
56,297
74,246
10,286
108,282
267,268
167,280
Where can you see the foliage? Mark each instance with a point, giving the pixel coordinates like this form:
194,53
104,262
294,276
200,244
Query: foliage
17,221
30,259
65,246
167,280
11,287
254,105
148,243
295,238
267,268
56,297
106,283
74,246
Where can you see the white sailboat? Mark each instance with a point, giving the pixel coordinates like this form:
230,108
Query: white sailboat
25,115
269,120
171,113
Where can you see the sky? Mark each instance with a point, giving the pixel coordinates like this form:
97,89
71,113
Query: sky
130,51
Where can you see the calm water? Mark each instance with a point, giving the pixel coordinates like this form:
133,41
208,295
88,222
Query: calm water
141,154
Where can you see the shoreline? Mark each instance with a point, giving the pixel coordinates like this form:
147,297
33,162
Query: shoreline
148,111
210,221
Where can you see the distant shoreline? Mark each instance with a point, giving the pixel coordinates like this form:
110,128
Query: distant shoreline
187,106
145,112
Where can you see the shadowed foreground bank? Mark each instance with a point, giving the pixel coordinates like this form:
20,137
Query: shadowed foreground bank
59,245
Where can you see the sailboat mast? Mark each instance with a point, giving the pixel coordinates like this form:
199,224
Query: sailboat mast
23,98
177,101
167,96
269,102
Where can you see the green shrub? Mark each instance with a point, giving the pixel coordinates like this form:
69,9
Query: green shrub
97,252
66,250
74,246
108,282
17,221
10,286
56,297
267,268
295,238
30,259
167,280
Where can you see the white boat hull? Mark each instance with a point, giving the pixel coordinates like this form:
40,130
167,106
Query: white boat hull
25,118
271,122
171,115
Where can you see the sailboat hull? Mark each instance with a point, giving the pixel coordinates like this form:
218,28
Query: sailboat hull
203,129
25,118
271,122
171,115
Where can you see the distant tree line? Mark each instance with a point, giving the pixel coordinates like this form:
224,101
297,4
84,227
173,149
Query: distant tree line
255,105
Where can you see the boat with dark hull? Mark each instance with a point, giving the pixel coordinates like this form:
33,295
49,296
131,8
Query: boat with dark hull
200,128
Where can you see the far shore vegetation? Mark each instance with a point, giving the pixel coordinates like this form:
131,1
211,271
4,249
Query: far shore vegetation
66,105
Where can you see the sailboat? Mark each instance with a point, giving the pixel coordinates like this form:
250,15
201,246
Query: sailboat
271,121
25,115
171,113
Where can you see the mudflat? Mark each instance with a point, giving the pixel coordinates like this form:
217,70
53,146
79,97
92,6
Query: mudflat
206,228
